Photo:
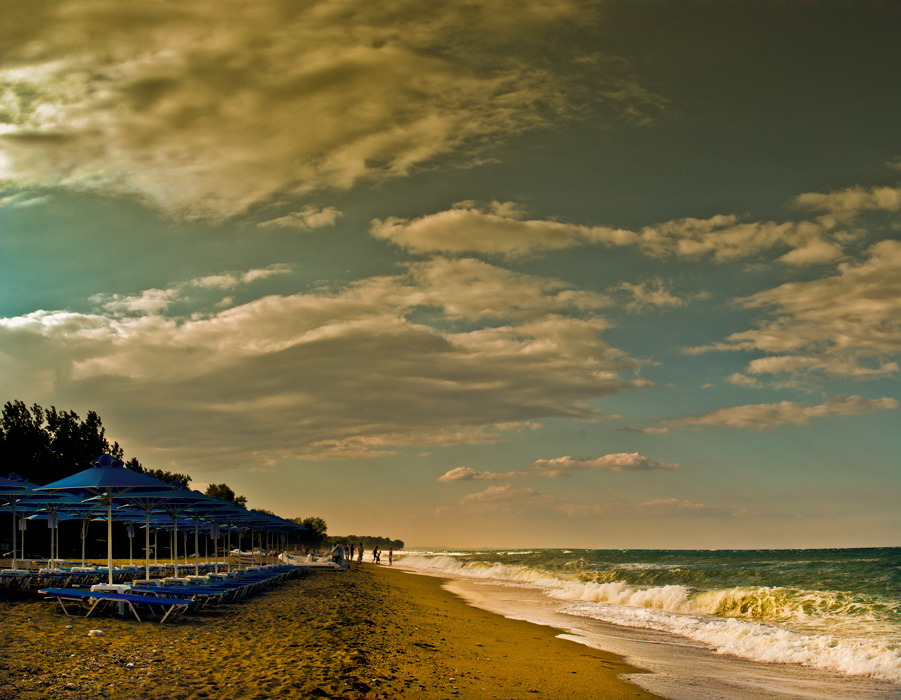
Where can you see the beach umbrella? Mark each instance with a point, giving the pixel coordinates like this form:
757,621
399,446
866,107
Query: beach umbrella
12,492
53,508
107,480
213,511
173,501
27,500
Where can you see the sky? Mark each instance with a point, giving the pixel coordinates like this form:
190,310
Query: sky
470,273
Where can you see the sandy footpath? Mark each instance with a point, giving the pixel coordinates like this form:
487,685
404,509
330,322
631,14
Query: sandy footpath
368,633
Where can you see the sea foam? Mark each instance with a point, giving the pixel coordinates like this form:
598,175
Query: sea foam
827,630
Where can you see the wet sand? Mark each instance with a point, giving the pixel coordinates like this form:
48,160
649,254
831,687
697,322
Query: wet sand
371,632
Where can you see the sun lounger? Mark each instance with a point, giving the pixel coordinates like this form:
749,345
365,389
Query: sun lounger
156,606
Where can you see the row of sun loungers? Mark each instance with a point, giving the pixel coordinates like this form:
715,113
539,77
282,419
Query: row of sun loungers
83,576
171,597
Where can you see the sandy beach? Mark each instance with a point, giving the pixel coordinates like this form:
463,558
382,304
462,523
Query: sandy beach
371,632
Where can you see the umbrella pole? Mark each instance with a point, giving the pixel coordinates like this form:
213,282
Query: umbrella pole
84,534
15,528
196,547
147,546
109,539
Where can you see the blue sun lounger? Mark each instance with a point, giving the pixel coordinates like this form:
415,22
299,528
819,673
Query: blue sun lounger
156,606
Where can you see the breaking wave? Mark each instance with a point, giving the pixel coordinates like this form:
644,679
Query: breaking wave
848,632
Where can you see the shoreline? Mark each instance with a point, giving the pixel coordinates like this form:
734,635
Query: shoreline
372,632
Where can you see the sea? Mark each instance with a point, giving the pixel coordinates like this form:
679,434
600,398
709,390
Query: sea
705,625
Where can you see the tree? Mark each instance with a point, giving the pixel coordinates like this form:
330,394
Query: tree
224,493
24,444
315,534
47,445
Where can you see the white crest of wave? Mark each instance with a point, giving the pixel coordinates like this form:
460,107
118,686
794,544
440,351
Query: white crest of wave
760,642
725,619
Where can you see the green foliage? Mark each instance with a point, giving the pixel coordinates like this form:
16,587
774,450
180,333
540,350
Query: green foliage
224,493
369,541
47,445
315,534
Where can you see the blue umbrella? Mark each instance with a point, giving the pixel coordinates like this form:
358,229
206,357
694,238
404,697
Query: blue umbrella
53,508
212,510
27,498
12,492
172,500
107,480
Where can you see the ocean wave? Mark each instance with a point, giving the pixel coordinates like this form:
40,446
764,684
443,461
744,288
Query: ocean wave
772,624
760,642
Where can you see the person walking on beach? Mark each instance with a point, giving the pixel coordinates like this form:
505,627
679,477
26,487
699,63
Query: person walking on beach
375,554
360,552
390,556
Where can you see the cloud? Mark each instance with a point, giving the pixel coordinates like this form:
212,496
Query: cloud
563,466
467,474
849,203
654,293
773,415
209,108
306,219
496,228
645,431
620,462
156,301
847,325
503,229
422,357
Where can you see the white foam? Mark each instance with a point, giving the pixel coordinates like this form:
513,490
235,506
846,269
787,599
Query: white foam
729,620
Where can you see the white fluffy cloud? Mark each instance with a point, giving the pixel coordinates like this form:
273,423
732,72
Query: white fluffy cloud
350,373
207,108
562,466
503,229
849,203
619,462
655,293
467,474
306,219
848,324
497,228
769,416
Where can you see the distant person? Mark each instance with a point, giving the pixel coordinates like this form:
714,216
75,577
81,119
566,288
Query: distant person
351,557
390,556
375,554
360,552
